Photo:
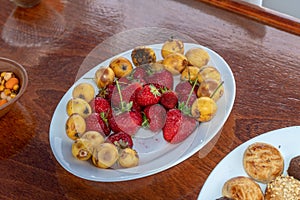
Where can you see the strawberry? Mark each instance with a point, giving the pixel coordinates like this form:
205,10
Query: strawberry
128,93
178,126
183,90
129,80
106,92
121,140
148,95
154,117
163,78
135,106
97,122
169,99
136,117
124,118
113,124
101,105
128,122
179,123
139,73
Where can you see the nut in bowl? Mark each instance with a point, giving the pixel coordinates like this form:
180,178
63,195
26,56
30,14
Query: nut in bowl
13,83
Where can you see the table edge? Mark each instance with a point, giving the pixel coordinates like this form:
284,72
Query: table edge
261,14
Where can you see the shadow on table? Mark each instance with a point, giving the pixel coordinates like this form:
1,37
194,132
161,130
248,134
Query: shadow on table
33,27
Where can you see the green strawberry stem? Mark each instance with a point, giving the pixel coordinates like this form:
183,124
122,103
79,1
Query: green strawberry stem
164,89
183,106
119,90
103,116
219,86
154,90
191,92
124,106
145,122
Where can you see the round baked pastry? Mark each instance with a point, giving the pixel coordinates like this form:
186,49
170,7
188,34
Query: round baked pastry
263,162
283,188
294,167
241,188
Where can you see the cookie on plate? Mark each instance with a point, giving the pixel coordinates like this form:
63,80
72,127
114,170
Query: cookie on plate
283,188
294,167
241,188
263,162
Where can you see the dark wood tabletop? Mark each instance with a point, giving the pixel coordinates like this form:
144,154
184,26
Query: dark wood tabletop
54,39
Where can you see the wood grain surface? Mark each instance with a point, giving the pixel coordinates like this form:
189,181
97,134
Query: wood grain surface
54,39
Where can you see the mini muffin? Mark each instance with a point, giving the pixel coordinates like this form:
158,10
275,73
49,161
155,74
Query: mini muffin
241,188
294,167
283,188
263,162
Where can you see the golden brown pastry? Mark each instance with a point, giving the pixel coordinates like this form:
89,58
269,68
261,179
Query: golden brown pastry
283,188
242,188
263,162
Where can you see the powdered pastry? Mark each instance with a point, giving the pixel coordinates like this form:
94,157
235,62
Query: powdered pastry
283,188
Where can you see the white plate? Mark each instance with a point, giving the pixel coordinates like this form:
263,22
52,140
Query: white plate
285,139
155,153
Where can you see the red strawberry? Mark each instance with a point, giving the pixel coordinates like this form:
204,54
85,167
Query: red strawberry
121,139
96,122
154,117
128,122
136,117
135,106
163,78
113,124
149,95
178,126
139,72
183,91
106,92
128,93
129,80
137,75
101,105
169,99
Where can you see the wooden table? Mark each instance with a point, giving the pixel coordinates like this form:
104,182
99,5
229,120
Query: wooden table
52,41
